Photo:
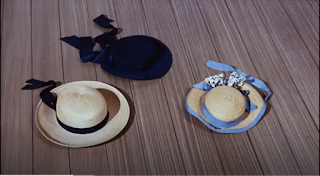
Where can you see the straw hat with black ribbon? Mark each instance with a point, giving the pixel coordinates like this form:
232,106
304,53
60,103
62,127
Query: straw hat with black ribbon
79,114
231,105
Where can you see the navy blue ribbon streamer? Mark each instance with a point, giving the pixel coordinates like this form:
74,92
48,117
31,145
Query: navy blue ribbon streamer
50,100
104,22
46,96
85,44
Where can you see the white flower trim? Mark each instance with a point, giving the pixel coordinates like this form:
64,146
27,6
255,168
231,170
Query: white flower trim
235,80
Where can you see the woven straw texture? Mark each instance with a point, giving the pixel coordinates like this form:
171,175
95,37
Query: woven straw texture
197,97
81,106
118,109
225,103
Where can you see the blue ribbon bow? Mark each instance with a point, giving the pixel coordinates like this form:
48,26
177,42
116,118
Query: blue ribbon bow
249,79
85,44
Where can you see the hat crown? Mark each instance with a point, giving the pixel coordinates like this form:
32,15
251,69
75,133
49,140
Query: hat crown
134,49
81,107
225,103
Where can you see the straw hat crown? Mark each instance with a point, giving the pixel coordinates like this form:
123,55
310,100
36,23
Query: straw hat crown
225,103
81,106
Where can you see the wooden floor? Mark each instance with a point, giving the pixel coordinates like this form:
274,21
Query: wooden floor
275,40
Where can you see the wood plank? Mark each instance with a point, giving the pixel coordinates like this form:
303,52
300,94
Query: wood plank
293,52
16,109
163,25
199,48
47,65
74,21
285,102
307,24
193,141
196,161
274,154
222,34
160,145
2,4
118,151
315,5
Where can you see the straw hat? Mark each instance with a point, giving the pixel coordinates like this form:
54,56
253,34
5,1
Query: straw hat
87,113
227,105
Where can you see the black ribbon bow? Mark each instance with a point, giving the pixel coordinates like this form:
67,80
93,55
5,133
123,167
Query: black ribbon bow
51,101
104,22
47,97
85,44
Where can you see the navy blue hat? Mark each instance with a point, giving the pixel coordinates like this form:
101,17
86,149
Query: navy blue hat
136,57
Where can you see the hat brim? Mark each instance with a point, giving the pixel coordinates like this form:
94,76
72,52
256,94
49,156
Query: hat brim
196,98
118,114
158,70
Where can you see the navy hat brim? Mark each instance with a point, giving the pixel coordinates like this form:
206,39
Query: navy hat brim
157,70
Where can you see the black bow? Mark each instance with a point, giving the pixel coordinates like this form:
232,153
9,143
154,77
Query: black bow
46,96
85,44
51,101
104,22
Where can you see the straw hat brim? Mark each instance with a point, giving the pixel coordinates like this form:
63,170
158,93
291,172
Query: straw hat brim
118,116
196,98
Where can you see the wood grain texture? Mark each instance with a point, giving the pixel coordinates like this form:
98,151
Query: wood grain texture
285,103
125,155
307,24
230,50
74,21
2,4
192,139
196,44
162,154
269,39
46,65
16,109
191,146
293,52
315,5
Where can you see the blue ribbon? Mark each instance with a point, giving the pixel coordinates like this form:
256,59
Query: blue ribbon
220,123
104,22
85,44
217,122
249,79
205,87
249,106
219,130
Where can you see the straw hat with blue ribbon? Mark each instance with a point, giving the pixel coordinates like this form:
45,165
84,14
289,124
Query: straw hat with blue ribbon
81,113
231,105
